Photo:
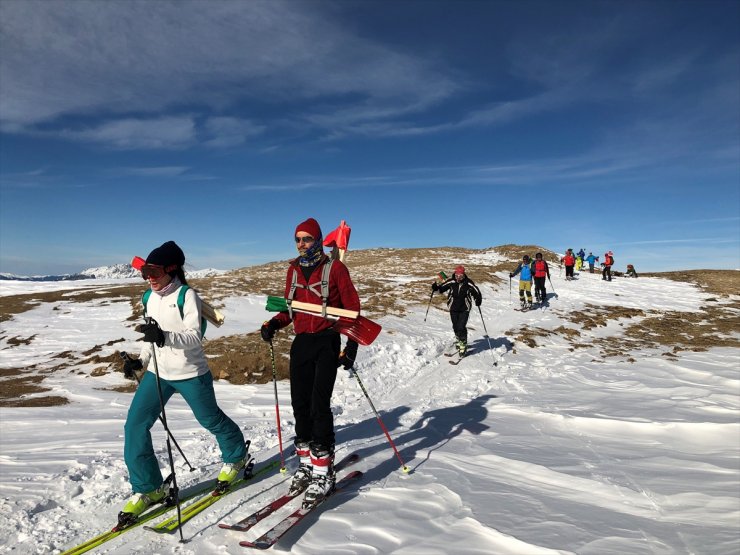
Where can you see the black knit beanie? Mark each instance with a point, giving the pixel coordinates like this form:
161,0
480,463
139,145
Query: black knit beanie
167,254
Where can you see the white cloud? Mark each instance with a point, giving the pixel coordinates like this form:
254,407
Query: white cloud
165,132
229,131
161,171
87,58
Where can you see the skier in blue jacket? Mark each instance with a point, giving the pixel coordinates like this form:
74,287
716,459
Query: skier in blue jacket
591,259
525,282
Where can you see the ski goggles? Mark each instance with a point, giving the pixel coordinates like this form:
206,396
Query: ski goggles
155,272
307,240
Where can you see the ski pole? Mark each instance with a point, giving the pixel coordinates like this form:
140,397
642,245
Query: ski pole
490,348
380,421
428,305
163,418
509,289
125,356
277,408
551,285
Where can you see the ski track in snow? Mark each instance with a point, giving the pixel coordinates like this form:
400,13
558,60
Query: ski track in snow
550,451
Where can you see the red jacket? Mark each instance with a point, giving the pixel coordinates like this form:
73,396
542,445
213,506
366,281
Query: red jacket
540,268
569,260
342,294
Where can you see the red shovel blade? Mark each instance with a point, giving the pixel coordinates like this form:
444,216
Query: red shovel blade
360,329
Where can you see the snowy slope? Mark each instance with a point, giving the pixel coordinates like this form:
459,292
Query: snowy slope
555,450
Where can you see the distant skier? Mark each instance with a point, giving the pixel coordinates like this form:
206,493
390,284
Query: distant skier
606,273
461,292
314,357
631,271
591,259
525,282
174,338
541,273
570,261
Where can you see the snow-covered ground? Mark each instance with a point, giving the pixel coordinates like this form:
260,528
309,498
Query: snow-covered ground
554,450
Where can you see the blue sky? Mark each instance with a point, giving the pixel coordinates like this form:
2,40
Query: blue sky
221,125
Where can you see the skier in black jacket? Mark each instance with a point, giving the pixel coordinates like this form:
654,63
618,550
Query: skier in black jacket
461,292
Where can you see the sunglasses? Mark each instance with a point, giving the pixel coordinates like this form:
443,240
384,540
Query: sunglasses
308,240
153,271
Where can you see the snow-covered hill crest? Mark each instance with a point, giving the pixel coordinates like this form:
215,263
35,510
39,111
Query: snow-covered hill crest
115,271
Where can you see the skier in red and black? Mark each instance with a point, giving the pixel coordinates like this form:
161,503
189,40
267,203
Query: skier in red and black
569,260
541,273
606,273
314,357
461,292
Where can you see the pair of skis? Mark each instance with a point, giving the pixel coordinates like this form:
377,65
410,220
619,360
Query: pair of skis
203,495
269,538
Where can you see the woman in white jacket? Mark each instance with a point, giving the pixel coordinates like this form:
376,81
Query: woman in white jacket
175,339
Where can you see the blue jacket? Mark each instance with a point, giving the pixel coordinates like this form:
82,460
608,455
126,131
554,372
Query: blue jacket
526,271
591,259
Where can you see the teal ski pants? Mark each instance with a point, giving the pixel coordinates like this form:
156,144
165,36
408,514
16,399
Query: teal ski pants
138,452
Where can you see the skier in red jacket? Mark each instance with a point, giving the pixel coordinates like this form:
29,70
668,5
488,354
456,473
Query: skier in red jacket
314,357
606,273
541,272
570,261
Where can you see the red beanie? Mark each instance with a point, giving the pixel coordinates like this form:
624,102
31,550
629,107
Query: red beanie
311,227
460,270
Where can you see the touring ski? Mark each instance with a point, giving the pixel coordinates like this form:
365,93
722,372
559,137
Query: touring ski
270,538
261,514
171,524
153,513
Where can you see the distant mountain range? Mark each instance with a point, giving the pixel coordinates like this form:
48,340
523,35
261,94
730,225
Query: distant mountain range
116,271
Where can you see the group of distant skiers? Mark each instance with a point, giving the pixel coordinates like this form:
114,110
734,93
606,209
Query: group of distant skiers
574,262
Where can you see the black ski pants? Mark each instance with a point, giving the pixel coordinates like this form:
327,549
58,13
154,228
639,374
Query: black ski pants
539,288
313,371
460,324
606,273
569,271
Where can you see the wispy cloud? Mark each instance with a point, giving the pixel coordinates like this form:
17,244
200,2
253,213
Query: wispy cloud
160,171
229,131
159,133
108,58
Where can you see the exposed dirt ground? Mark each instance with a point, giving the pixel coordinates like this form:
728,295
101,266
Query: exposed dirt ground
389,281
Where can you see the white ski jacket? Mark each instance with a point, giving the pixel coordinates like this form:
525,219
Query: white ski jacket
182,356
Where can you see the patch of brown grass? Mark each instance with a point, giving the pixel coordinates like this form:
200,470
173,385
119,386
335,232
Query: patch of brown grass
242,359
14,392
17,304
15,341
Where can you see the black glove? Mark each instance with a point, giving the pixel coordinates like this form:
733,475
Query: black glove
131,366
268,329
152,333
435,287
511,274
348,355
478,301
